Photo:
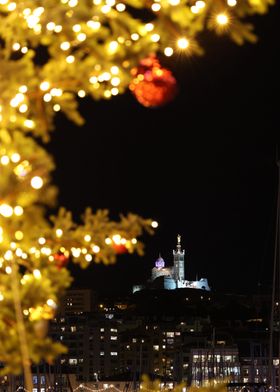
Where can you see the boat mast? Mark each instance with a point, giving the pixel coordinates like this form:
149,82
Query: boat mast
274,328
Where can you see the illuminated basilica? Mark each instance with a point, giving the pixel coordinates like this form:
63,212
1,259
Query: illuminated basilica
171,278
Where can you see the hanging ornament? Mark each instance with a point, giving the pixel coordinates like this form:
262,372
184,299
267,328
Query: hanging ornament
61,260
120,248
152,85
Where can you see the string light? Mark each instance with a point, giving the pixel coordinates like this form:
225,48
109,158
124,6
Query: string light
6,210
120,7
37,274
96,249
81,93
156,7
44,86
59,233
149,27
65,45
86,387
70,59
174,2
222,19
168,51
183,43
56,107
18,210
36,182
155,37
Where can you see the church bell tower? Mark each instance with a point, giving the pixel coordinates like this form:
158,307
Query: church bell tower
179,261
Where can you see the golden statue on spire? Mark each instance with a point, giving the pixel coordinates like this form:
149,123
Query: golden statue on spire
178,239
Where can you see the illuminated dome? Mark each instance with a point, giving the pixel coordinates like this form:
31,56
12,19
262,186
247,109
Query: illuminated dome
160,263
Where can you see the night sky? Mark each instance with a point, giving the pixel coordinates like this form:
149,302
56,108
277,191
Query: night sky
203,166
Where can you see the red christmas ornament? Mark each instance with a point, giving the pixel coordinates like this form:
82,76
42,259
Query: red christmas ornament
152,85
61,260
120,248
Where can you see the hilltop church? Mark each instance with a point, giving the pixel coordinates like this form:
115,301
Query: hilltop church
171,278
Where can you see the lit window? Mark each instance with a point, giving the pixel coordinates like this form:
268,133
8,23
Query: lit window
195,358
114,330
170,341
73,361
73,328
170,334
114,353
236,370
114,338
156,348
101,353
101,329
134,340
